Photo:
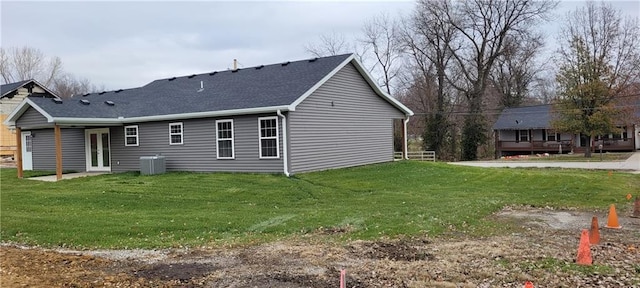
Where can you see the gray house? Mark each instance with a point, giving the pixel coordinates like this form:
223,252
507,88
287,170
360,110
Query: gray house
527,130
290,117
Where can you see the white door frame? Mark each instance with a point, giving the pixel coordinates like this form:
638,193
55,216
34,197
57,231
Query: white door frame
27,150
99,158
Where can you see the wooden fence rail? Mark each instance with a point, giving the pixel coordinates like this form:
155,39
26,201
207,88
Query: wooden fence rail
417,155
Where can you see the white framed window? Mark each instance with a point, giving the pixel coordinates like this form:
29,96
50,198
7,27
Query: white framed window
175,133
522,135
131,135
268,137
552,136
224,139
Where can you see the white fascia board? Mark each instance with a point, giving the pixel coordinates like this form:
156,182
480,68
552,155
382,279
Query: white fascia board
25,104
375,87
86,121
326,78
21,108
233,112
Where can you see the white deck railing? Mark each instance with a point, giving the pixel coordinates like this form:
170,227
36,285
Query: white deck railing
417,155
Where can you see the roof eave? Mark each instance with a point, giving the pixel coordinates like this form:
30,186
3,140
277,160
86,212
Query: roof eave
86,121
232,112
26,103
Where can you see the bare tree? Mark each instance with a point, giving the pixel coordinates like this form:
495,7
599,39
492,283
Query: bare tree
24,63
329,45
381,39
485,26
67,86
515,70
608,37
599,62
544,90
427,37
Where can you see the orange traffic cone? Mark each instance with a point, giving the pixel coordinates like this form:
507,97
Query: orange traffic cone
612,221
528,284
584,251
594,234
636,208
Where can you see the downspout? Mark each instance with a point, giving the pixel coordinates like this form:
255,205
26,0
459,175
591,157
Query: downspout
284,143
406,150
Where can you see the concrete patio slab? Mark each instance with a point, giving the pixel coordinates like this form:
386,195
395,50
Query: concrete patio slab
52,178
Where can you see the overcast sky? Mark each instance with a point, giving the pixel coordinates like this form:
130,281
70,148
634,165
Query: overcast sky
128,44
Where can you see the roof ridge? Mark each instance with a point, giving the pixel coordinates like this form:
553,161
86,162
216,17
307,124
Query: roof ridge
262,66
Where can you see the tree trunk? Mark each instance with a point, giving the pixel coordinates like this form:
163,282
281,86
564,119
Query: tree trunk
473,131
587,154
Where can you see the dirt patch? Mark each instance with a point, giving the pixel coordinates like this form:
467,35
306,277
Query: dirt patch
566,220
181,272
540,247
398,250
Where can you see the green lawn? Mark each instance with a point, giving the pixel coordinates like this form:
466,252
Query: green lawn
177,209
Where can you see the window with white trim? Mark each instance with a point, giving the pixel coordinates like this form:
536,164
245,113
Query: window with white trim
175,133
28,143
224,141
131,135
522,135
268,136
553,136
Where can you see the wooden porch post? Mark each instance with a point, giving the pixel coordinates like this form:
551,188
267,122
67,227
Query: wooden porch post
531,140
405,150
496,141
58,139
19,152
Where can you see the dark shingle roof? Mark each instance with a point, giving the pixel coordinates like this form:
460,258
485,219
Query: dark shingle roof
262,86
7,88
529,117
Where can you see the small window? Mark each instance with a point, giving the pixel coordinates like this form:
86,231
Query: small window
131,135
224,142
268,134
522,135
552,136
28,143
175,133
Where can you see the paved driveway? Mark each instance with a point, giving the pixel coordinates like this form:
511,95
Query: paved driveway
631,164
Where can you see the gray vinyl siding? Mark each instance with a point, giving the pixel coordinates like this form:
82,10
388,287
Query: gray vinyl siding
44,149
32,118
344,123
198,153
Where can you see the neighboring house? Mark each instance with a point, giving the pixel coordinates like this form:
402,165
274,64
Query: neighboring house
290,117
527,130
11,96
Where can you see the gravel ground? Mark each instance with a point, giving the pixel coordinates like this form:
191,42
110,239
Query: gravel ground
540,247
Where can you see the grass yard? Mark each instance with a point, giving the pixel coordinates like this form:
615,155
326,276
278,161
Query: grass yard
194,209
